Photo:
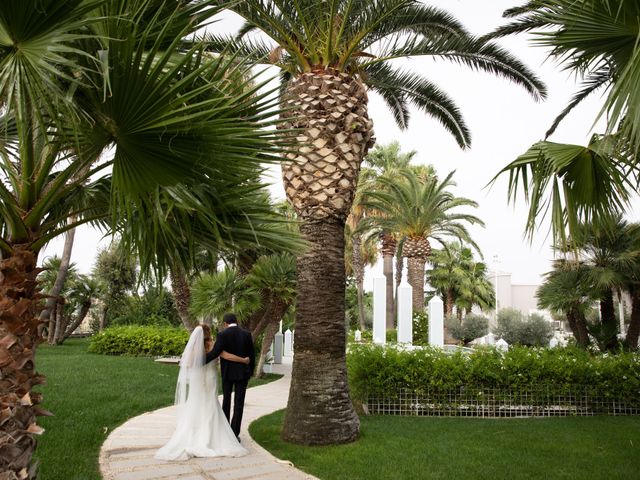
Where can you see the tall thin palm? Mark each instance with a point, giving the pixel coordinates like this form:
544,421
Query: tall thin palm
421,210
383,161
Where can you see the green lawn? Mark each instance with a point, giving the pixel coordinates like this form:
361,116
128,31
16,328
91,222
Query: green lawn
90,395
462,448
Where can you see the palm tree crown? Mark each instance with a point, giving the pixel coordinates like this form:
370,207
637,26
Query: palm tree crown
361,38
421,208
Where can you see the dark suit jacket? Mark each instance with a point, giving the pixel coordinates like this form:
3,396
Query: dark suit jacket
236,340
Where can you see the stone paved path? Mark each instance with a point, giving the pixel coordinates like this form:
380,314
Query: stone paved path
127,454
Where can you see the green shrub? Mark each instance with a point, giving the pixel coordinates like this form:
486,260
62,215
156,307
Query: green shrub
516,329
536,331
375,371
392,335
471,327
420,328
140,341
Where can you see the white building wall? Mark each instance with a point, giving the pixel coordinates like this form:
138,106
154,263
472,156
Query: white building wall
523,298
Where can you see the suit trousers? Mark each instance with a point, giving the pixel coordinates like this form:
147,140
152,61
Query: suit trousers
240,388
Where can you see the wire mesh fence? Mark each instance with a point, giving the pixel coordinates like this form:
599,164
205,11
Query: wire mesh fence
541,401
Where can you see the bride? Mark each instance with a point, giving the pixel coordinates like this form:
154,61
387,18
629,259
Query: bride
202,429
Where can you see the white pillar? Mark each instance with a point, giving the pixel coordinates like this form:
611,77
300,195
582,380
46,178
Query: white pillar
379,310
621,314
277,348
436,322
405,310
288,343
358,336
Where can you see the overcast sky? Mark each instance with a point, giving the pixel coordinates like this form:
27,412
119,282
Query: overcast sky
504,122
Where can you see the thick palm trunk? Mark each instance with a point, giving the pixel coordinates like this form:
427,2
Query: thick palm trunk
320,179
319,409
578,326
182,295
415,277
358,272
609,324
19,337
631,340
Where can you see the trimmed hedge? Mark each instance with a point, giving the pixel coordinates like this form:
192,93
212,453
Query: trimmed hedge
142,341
380,372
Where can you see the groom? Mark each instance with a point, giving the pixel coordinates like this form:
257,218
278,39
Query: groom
235,376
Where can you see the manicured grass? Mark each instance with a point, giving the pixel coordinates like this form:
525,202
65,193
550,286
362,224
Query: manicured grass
90,395
462,448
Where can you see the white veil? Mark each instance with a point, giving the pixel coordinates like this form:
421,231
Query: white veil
191,378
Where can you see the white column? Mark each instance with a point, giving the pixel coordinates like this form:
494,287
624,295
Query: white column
621,314
288,343
436,322
277,348
379,310
405,310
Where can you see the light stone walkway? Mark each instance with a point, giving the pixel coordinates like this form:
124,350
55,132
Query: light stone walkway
127,454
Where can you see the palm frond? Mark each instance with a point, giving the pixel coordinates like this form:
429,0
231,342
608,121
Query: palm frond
572,182
399,88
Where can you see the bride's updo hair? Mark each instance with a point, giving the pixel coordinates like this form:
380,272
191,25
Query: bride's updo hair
206,330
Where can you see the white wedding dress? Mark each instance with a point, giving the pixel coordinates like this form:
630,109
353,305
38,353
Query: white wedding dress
202,430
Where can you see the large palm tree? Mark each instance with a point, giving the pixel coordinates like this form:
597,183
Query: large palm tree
598,41
421,209
330,54
104,107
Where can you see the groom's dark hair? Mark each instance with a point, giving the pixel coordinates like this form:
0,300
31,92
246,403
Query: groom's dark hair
229,318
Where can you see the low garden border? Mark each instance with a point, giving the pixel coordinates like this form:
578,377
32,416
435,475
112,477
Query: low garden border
543,401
